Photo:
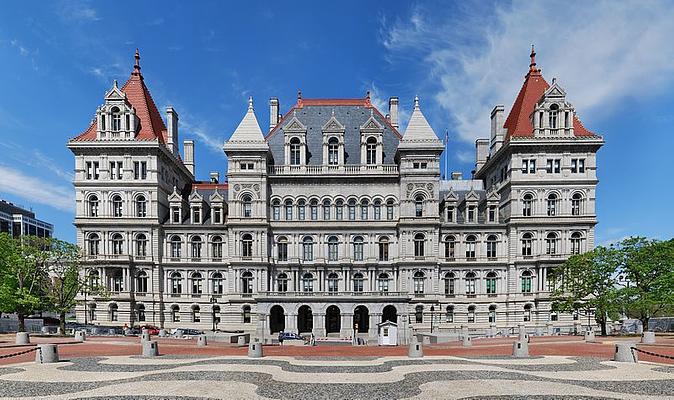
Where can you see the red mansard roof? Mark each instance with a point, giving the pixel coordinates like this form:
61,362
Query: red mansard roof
152,125
518,122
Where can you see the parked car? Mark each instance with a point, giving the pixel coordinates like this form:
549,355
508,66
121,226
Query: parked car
151,329
179,332
290,336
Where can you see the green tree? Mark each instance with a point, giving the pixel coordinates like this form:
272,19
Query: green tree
64,281
587,281
647,277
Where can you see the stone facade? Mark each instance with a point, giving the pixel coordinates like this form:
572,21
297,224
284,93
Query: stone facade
335,220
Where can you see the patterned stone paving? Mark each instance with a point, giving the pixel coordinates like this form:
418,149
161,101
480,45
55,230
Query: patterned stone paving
187,378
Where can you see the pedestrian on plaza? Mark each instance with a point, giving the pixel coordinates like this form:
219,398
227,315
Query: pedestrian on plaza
280,338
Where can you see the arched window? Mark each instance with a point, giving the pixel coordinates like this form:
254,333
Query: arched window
313,207
216,248
176,245
141,245
301,210
326,210
389,209
471,314
551,243
117,206
419,241
358,246
276,210
94,244
339,210
113,312
197,284
141,206
352,209
490,280
358,282
282,248
552,117
116,119
93,206
282,283
383,248
333,151
92,311
449,316
576,242
492,314
383,282
364,207
140,310
307,282
246,203
526,281
419,206
217,286
195,245
295,151
117,244
552,205
371,151
247,245
308,248
419,314
245,314
376,208
141,282
527,244
450,246
333,248
527,313
419,279
470,283
176,283
175,313
471,242
196,314
94,279
527,204
492,241
117,281
576,204
289,209
450,283
247,282
333,282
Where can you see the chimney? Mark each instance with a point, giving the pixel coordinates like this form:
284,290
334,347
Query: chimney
172,130
457,176
188,150
393,111
274,115
215,177
497,130
481,153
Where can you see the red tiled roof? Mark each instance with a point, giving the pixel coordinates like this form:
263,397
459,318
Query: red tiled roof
152,125
518,122
209,185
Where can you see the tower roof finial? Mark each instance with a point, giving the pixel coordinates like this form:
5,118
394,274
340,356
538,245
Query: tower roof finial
136,66
250,102
416,102
532,65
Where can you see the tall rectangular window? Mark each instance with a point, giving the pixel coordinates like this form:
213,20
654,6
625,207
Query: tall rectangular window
578,165
140,170
450,214
116,170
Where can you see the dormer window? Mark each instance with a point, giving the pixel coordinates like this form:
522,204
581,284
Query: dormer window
552,118
217,215
371,151
491,213
450,214
196,215
470,213
333,151
116,119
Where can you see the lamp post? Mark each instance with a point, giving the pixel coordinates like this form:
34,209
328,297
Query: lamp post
213,302
432,316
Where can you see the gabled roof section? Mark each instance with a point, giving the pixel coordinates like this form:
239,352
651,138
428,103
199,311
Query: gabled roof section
518,123
333,124
248,130
152,125
418,128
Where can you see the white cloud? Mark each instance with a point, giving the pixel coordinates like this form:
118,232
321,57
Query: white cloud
78,11
35,159
36,190
380,101
601,52
465,156
212,143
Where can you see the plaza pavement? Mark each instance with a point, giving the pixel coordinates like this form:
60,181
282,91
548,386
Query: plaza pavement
109,368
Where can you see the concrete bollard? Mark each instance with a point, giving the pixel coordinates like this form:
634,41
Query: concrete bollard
549,329
201,341
589,336
22,338
145,337
46,354
80,336
416,349
241,340
255,349
523,335
648,337
624,353
492,331
464,331
521,349
163,333
150,348
466,342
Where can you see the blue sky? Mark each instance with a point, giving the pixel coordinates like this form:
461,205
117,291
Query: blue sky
614,59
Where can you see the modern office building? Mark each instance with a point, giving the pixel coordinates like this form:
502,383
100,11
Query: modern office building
18,221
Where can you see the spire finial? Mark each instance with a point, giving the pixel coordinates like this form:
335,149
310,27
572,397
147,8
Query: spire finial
136,66
416,102
299,95
250,103
532,66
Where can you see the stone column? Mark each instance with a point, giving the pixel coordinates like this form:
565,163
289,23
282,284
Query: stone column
319,325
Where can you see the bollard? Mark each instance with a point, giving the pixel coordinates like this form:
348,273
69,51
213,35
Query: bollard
549,329
540,331
46,354
521,349
201,341
22,338
162,333
255,349
416,349
241,340
145,337
648,337
464,331
589,336
523,335
80,336
150,348
466,341
624,353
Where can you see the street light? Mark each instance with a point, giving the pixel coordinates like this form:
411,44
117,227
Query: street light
432,315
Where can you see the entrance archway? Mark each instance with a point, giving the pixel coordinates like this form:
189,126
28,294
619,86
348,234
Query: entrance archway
361,319
277,319
389,314
305,319
333,323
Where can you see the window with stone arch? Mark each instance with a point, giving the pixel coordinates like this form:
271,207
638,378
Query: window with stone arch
551,243
492,242
276,209
333,151
492,314
358,248
282,248
376,209
419,314
217,286
197,283
216,248
117,206
175,313
245,314
141,206
471,314
449,314
419,206
383,282
196,245
295,151
364,208
419,244
576,204
333,248
576,242
419,282
308,248
116,119
94,244
384,248
470,283
247,206
490,281
471,244
176,283
93,204
552,204
527,278
113,311
307,282
288,206
450,246
527,205
247,245
196,313
326,210
282,283
527,313
141,245
358,282
450,284
333,282
371,151
527,244
176,246
117,244
141,282
247,282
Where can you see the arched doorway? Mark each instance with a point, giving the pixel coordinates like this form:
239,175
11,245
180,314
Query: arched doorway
333,322
389,314
277,319
361,319
305,319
